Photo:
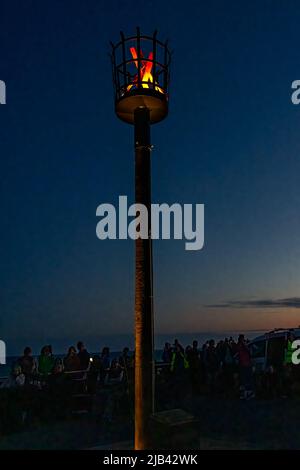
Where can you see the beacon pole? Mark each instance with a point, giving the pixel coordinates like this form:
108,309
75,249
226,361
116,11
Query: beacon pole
140,69
144,367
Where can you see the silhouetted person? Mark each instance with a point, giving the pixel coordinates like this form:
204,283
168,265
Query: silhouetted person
177,344
27,363
179,369
83,355
72,361
105,363
245,369
167,353
211,365
194,355
228,365
193,358
125,359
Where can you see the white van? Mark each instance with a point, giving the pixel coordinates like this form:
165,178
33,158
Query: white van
268,349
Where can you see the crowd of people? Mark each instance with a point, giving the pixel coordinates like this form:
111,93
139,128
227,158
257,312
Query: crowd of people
213,366
183,366
104,369
225,367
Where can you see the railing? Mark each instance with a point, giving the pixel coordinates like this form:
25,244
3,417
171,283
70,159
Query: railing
77,375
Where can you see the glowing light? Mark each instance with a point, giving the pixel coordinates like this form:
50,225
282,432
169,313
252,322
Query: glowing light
146,76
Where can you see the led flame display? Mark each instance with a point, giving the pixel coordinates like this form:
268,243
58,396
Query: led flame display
146,76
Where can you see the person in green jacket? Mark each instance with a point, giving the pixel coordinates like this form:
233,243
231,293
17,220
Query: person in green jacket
46,361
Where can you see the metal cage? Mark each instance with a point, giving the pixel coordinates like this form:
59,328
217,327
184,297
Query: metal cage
141,75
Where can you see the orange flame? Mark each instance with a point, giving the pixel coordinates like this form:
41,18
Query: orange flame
145,71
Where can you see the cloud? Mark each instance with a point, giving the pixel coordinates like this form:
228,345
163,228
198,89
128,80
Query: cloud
289,302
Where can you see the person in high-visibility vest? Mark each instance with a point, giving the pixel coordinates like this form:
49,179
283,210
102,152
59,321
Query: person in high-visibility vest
288,352
179,361
179,367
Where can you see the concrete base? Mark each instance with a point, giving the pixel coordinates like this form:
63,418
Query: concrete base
174,429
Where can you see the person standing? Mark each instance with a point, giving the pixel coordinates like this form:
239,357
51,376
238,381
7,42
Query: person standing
167,353
288,369
72,361
27,363
193,357
211,366
245,369
83,355
179,369
46,361
104,363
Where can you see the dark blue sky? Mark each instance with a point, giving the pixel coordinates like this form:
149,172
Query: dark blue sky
231,141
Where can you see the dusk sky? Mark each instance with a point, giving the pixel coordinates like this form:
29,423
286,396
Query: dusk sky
231,141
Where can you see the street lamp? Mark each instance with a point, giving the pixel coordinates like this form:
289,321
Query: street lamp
140,66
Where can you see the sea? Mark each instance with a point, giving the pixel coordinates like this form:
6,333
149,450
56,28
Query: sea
116,344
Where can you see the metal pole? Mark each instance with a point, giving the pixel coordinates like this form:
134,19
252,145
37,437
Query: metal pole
144,365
